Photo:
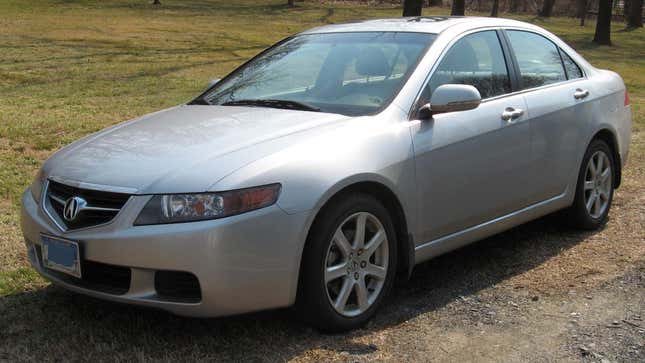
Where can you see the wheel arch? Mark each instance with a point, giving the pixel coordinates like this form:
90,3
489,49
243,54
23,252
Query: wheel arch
609,137
384,194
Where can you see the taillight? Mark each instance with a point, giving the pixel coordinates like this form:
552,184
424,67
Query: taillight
626,98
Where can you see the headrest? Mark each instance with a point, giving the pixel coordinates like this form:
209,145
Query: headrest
372,62
462,58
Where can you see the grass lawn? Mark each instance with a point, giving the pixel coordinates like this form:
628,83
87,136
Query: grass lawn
69,68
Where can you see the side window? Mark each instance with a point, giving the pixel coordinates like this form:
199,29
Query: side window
573,71
476,59
538,58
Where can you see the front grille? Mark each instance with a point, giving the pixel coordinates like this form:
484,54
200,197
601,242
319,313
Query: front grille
96,276
177,286
101,207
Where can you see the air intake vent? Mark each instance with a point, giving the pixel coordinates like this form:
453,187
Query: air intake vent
85,207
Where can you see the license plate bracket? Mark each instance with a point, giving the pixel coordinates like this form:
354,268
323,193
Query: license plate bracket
61,254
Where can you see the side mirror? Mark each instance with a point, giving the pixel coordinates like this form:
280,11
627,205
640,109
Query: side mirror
450,98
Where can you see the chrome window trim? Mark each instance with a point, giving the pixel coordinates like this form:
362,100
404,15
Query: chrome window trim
532,89
43,205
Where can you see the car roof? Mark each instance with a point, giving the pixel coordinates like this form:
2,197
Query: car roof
419,24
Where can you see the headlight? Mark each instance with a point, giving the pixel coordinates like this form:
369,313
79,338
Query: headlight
37,186
175,208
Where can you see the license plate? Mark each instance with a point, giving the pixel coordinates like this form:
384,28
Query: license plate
61,255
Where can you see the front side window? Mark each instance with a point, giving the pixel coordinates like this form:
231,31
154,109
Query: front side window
347,73
476,59
538,59
573,71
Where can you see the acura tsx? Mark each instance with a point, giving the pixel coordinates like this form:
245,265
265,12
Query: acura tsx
330,164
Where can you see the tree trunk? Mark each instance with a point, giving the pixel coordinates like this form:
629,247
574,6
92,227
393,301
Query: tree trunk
635,15
513,6
435,3
547,8
156,2
412,7
458,8
495,8
603,23
291,3
581,11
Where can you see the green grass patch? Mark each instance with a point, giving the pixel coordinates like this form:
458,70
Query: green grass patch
19,280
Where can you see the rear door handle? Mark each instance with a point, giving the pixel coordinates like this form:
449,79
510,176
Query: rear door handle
580,94
511,114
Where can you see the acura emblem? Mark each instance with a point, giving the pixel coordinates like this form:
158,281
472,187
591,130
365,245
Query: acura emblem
73,206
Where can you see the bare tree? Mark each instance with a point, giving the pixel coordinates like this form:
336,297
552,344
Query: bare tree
547,8
495,8
635,15
603,23
582,6
458,7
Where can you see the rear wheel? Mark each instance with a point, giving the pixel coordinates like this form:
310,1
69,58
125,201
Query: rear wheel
595,188
348,264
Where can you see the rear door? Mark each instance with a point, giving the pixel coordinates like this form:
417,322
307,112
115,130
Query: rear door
471,166
557,95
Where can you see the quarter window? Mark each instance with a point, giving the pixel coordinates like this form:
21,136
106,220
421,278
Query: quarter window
476,59
538,59
573,71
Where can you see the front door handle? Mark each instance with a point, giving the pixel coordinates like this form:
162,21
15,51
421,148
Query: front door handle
580,94
511,114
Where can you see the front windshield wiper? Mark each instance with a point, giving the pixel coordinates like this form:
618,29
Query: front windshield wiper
288,104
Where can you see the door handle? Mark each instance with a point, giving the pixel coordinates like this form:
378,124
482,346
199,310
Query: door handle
580,94
511,114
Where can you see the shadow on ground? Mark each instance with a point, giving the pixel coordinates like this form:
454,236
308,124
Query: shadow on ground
57,323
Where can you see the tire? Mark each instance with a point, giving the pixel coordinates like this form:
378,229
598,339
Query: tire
320,303
579,215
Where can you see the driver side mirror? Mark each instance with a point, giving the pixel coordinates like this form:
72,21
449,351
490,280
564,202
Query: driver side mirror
450,98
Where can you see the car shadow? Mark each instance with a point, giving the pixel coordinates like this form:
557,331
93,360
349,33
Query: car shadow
78,321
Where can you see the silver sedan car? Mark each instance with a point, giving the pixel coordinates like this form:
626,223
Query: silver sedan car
329,164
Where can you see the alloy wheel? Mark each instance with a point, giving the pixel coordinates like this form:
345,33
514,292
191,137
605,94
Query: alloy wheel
356,264
597,184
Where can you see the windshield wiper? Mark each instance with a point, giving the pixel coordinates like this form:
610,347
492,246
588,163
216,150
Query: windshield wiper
288,104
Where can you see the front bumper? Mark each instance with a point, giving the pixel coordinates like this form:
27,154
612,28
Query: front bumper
243,263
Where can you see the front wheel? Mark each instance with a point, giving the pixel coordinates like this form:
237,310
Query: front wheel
595,189
348,264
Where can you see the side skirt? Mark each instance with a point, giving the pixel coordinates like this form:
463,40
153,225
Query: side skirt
439,246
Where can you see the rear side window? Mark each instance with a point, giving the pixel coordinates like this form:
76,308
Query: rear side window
573,71
477,60
538,59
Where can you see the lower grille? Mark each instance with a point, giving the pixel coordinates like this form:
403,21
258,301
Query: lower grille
96,276
177,286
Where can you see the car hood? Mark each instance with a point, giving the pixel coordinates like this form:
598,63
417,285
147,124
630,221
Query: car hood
182,149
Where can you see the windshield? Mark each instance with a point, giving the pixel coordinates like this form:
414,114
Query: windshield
347,73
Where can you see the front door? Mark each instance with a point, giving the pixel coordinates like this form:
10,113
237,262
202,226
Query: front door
471,166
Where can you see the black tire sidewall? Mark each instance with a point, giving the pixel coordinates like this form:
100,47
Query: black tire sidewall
312,302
